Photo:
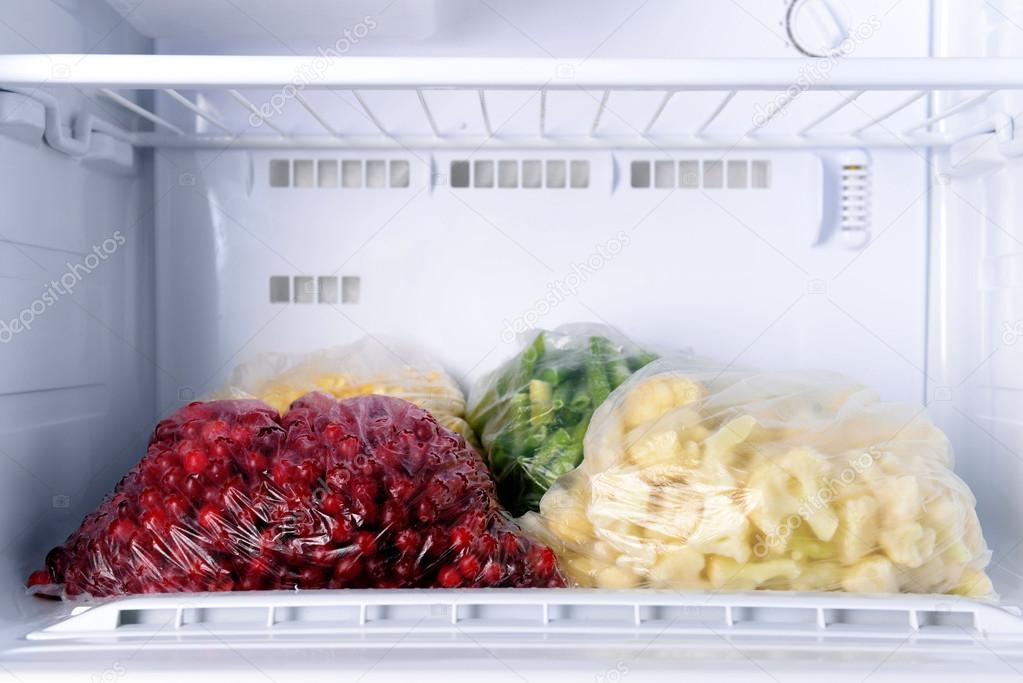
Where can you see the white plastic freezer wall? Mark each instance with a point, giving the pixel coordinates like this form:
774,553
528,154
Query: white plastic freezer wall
774,183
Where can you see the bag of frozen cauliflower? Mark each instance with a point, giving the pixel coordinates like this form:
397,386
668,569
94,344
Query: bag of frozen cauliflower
697,477
371,365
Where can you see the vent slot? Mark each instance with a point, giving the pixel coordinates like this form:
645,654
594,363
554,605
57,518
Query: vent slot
158,618
691,174
874,618
346,173
554,174
307,289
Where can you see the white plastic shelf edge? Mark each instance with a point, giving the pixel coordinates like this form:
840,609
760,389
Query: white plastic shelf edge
534,614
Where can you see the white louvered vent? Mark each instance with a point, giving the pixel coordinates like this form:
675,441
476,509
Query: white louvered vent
710,174
344,173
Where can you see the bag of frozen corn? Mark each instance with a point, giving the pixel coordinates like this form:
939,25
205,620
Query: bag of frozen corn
532,412
702,477
372,365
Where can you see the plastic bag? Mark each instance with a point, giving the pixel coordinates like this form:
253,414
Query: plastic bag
368,366
531,414
698,476
364,492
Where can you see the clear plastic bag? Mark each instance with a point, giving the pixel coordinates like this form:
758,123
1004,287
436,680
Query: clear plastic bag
702,477
369,366
531,414
366,492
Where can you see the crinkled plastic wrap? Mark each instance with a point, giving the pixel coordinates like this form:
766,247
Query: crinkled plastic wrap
364,492
368,366
698,477
531,414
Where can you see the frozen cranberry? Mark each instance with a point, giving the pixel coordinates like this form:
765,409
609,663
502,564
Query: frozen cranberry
366,543
195,460
210,517
310,577
218,471
255,462
252,582
177,506
542,561
194,487
487,544
215,429
407,541
341,530
469,566
461,538
449,577
392,515
347,568
40,577
122,529
174,479
426,513
154,520
492,573
332,504
150,498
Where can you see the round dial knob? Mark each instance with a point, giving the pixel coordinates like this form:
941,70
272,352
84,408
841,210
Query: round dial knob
818,28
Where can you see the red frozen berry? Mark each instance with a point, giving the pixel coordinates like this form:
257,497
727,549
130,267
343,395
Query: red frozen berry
39,577
469,567
449,577
194,461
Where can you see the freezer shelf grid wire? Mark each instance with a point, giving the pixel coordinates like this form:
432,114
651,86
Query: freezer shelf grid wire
973,86
413,615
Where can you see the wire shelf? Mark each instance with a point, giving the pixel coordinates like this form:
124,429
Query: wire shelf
324,102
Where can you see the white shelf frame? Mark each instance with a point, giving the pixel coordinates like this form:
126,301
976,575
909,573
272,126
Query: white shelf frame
978,79
407,618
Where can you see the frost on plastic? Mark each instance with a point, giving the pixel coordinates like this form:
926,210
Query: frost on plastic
366,492
368,366
532,412
701,477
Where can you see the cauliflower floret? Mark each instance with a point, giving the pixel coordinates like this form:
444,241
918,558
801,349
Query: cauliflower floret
808,468
857,528
873,574
900,500
564,515
724,572
946,516
973,583
615,578
677,567
655,396
818,576
910,545
655,448
720,446
789,485
724,529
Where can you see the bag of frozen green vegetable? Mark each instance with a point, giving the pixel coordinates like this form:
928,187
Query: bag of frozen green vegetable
532,412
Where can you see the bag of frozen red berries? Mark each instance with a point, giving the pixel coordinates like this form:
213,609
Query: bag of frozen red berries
364,492
371,365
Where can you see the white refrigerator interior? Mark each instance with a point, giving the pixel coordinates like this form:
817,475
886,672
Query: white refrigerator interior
810,184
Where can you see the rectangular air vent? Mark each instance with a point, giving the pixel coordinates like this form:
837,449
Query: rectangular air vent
346,173
322,289
710,174
506,174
